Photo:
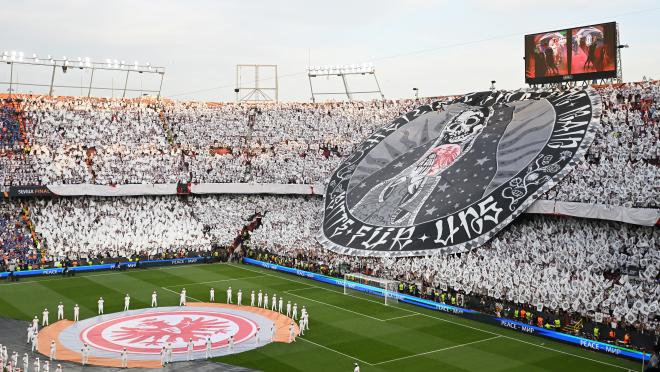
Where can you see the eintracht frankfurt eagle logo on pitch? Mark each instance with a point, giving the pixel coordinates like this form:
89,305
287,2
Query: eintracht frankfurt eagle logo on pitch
147,333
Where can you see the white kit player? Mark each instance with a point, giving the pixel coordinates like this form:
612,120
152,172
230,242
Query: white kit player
26,362
292,333
85,354
260,299
208,345
37,365
124,358
273,303
76,313
169,352
46,367
357,368
154,299
239,297
60,311
288,309
182,298
100,303
265,300
295,311
53,350
279,305
252,299
35,341
230,347
44,319
212,295
163,356
30,334
59,368
127,302
229,295
35,322
190,350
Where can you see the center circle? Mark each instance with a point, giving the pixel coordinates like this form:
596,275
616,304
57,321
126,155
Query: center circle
147,333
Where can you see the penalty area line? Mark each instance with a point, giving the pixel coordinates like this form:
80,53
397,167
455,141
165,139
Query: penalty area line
437,350
334,351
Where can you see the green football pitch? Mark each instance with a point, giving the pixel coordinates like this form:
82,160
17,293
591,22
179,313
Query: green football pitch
343,328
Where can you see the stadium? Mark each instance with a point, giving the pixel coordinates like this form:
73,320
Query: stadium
324,216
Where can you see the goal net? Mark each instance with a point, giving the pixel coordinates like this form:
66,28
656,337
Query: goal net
385,288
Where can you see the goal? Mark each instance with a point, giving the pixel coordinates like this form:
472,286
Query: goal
385,288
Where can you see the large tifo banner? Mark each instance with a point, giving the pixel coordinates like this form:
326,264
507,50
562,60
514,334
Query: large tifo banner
447,176
466,313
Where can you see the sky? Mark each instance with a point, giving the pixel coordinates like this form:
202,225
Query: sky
440,47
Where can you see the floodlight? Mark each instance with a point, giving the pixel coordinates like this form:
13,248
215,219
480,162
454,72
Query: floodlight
20,56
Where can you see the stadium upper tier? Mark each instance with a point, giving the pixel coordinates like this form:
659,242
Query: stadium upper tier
46,140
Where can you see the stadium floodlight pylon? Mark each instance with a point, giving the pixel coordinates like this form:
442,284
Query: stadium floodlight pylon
64,64
255,90
372,285
343,72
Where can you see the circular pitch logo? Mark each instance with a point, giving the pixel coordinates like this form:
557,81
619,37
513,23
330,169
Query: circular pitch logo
147,333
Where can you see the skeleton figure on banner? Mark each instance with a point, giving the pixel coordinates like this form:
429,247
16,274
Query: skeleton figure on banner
397,200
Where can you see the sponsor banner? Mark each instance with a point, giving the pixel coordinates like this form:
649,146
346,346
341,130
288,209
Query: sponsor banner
108,266
466,313
28,191
448,176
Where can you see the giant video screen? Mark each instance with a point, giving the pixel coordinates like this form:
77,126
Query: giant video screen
579,53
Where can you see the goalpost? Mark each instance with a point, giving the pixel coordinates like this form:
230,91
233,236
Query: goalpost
385,288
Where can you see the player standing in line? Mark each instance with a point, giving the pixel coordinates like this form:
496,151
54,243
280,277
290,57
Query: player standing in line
127,302
260,298
100,302
30,333
35,322
85,354
357,368
279,305
252,299
26,362
169,352
37,365
182,298
295,311
59,368
53,350
229,295
288,309
35,341
208,347
265,300
190,350
273,304
163,357
239,297
44,319
154,299
212,295
46,367
76,313
60,311
292,333
230,348
124,358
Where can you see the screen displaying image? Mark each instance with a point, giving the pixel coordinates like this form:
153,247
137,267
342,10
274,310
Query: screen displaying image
593,49
546,55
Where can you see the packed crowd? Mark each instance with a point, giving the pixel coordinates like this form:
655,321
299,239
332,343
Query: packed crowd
114,141
583,266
